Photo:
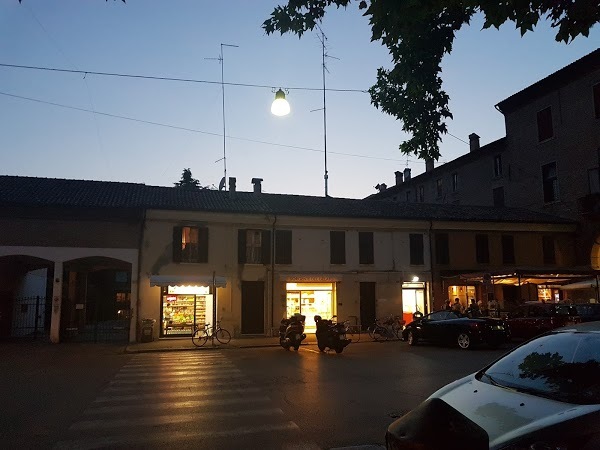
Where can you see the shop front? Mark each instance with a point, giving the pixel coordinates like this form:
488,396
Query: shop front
310,299
413,300
186,302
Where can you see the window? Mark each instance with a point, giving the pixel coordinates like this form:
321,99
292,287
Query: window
498,195
407,196
442,248
548,250
190,244
508,249
416,250
439,188
596,90
283,247
421,194
254,246
482,249
544,123
594,180
365,248
337,247
454,182
498,165
550,182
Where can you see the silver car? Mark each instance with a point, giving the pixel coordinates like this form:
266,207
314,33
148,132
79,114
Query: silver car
544,394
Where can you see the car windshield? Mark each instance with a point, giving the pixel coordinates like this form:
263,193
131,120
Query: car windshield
563,366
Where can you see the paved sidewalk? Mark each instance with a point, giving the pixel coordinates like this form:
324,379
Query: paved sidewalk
185,343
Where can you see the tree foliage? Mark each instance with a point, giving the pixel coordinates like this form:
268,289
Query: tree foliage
187,181
418,33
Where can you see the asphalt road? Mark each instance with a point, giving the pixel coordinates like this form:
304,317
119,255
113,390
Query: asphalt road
88,396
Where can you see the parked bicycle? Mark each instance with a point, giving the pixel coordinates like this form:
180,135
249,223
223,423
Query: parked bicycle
202,334
387,328
353,328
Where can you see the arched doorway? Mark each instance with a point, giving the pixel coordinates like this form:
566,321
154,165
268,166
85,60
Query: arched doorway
96,300
25,296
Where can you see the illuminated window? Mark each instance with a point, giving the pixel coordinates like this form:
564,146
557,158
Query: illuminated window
190,244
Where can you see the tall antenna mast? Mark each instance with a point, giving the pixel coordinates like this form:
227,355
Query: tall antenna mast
323,38
222,62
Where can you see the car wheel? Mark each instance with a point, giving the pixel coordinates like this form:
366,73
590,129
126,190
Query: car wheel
321,347
463,340
411,338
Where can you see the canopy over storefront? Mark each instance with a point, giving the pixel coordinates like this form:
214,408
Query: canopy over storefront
187,280
584,284
549,277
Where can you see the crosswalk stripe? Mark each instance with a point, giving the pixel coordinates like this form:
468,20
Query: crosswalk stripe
191,385
174,395
198,377
179,373
163,406
192,354
169,419
149,439
145,367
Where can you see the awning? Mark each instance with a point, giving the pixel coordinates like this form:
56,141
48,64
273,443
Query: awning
586,284
309,277
187,280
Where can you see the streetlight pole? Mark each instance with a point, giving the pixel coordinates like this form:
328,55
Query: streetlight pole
326,175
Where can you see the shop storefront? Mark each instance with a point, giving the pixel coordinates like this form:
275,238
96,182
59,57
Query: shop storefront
413,300
463,293
310,299
185,302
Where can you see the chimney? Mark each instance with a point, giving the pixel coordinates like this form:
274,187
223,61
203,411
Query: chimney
429,165
231,186
257,186
474,142
406,175
381,187
398,177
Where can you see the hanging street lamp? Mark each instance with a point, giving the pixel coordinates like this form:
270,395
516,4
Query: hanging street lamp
280,106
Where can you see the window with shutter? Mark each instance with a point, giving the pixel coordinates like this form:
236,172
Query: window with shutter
365,248
417,256
544,123
548,250
337,247
283,247
482,249
190,244
508,249
442,248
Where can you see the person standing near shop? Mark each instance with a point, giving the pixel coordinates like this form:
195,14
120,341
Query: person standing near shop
457,307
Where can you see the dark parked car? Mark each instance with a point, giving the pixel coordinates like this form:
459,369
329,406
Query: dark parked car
545,394
449,327
588,312
534,318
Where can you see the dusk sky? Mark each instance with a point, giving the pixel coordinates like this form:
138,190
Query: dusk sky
164,38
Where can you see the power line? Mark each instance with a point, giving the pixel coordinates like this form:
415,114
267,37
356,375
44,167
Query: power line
192,130
183,80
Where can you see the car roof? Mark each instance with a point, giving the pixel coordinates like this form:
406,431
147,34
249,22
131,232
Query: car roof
587,327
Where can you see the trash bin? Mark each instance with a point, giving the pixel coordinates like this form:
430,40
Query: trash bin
148,330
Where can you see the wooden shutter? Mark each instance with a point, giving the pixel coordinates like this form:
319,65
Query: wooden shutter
265,247
337,247
416,250
202,245
177,244
442,248
241,246
283,247
365,247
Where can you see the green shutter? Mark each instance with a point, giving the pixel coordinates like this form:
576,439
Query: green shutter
177,244
241,246
266,247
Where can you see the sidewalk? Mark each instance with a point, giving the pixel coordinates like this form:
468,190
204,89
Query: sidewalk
185,343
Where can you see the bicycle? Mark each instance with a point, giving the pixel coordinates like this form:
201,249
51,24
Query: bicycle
388,328
353,329
201,335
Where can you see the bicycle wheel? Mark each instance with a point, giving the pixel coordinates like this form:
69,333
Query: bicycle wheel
380,333
199,337
397,330
354,333
223,336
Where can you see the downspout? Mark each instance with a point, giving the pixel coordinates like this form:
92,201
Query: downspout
273,271
431,297
137,300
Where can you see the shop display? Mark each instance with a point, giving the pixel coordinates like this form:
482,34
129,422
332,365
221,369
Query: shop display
178,314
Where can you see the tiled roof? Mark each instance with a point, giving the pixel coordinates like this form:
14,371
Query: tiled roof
36,192
567,74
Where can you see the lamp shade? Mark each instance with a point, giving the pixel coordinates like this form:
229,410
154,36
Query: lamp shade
280,106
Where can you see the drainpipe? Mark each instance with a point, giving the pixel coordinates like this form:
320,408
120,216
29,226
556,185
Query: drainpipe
273,271
431,297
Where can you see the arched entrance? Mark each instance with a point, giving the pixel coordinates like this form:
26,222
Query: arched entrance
96,300
25,296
